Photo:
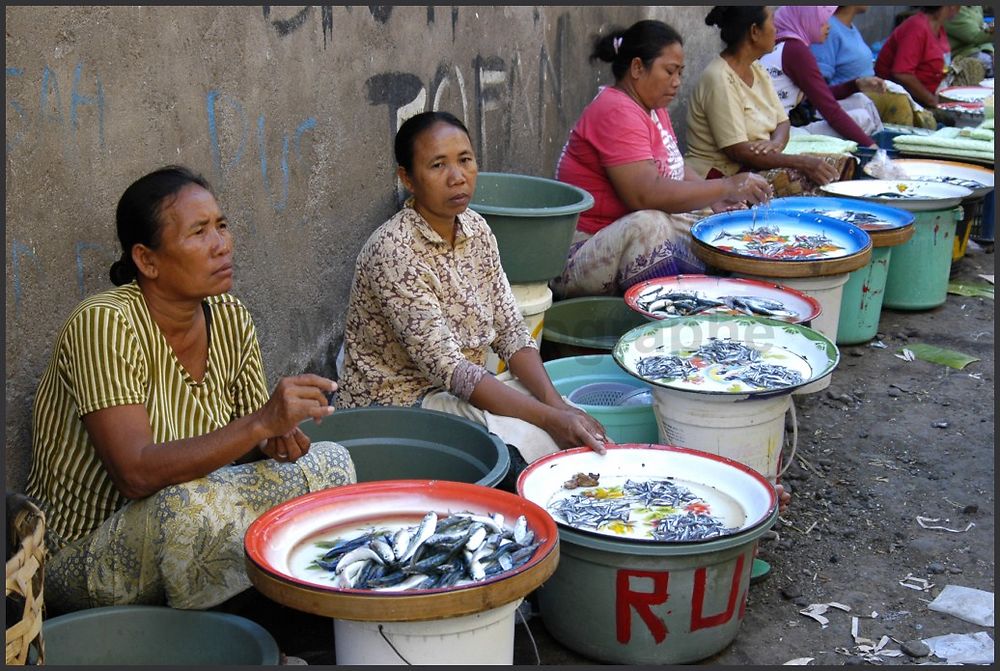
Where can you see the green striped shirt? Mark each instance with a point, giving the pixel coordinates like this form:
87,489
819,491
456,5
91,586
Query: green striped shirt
111,353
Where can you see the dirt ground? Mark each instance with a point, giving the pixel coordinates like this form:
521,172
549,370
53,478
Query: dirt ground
888,441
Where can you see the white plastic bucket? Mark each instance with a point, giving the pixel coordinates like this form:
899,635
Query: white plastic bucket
828,290
480,638
533,300
750,431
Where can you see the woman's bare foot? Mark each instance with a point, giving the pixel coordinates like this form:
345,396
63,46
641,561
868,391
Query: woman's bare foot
783,498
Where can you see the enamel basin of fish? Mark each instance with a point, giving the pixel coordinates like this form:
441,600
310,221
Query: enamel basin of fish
398,543
723,355
911,195
686,295
976,178
866,215
776,235
651,493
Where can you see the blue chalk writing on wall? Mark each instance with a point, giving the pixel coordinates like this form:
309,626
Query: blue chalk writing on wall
77,99
213,133
49,85
215,112
17,136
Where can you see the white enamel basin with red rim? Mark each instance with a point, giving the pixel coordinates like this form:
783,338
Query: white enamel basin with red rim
806,308
543,479
272,539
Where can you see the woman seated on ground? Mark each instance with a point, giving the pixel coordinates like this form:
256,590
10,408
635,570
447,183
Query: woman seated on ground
155,443
917,54
429,297
845,56
736,122
846,112
970,38
623,151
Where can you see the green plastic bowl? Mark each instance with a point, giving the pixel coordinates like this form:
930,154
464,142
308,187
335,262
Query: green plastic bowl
533,219
587,325
394,443
143,635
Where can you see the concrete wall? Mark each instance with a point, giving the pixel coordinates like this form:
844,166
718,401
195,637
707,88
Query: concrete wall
290,112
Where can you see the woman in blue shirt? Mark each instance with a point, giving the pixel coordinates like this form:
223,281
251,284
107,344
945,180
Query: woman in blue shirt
845,56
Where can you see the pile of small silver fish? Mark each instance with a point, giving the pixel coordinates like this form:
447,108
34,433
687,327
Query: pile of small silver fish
658,367
764,375
590,512
439,552
692,526
723,350
852,217
660,301
957,181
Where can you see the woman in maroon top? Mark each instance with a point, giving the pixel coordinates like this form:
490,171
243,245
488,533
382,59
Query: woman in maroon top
917,54
796,75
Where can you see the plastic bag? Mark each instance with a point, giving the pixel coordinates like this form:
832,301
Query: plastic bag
882,167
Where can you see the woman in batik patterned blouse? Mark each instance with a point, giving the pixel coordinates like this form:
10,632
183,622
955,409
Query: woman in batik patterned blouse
429,297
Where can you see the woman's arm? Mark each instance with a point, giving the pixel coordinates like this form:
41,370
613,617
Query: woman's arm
799,64
123,438
568,426
813,167
641,187
915,88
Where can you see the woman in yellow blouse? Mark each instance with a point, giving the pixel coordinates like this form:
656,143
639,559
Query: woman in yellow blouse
153,391
735,120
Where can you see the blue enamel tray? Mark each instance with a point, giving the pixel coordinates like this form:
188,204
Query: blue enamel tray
780,235
868,216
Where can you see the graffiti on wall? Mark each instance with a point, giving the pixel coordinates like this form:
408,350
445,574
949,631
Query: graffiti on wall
48,108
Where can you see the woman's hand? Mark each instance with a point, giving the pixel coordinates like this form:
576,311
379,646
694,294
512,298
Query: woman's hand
818,170
293,400
748,187
289,447
572,427
871,85
762,147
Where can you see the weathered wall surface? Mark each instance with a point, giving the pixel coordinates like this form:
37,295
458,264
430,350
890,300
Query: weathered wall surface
290,112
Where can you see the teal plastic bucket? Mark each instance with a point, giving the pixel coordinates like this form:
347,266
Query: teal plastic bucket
587,325
918,276
392,443
861,303
533,219
658,603
145,635
625,423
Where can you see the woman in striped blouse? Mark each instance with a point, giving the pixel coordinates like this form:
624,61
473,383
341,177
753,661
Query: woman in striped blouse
155,443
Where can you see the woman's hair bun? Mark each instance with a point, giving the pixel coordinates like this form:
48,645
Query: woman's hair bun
716,16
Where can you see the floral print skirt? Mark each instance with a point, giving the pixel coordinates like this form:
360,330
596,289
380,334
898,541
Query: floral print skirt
183,546
639,246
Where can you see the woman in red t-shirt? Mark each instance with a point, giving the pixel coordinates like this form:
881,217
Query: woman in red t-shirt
623,150
917,54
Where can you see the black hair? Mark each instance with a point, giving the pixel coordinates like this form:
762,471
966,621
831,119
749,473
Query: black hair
407,134
138,216
643,40
734,22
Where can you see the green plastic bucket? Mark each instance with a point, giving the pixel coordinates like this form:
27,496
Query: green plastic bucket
533,219
144,635
918,276
392,443
648,604
587,325
861,304
625,423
